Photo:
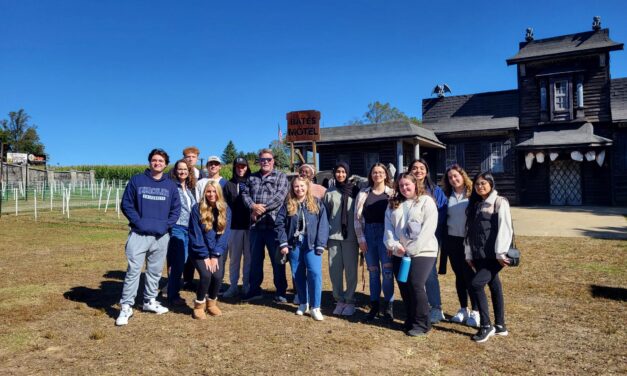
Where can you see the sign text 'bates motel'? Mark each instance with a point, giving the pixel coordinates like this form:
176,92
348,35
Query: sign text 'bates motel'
303,126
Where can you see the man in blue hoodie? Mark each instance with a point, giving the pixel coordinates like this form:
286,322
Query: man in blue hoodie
152,205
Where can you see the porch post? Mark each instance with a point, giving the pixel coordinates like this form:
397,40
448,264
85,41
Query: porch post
399,156
416,151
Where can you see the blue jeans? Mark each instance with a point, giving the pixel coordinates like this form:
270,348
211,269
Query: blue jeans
177,257
259,241
433,289
307,273
376,258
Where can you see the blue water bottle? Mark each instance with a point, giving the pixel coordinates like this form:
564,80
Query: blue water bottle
403,272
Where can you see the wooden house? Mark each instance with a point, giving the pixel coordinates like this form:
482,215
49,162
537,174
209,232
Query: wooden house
560,138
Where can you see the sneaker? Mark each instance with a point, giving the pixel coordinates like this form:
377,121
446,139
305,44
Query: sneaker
316,314
231,292
483,334
349,310
125,313
154,306
302,309
436,315
279,299
460,316
500,330
339,308
251,298
416,333
473,319
296,299
177,302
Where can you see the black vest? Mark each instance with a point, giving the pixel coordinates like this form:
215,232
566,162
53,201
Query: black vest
483,231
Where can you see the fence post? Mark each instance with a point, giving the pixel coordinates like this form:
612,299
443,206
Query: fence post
15,194
68,203
35,197
108,196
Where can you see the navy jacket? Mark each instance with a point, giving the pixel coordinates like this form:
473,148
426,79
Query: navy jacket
204,244
151,206
317,228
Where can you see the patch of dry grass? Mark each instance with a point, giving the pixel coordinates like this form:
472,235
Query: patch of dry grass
565,309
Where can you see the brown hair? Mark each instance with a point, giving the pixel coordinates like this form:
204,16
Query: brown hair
448,188
397,198
191,149
388,178
190,182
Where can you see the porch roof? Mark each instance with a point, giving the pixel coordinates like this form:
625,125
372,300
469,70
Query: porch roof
582,136
396,129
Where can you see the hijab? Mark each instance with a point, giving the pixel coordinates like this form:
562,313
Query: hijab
347,189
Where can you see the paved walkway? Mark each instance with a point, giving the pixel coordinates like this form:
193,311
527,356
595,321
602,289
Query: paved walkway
571,221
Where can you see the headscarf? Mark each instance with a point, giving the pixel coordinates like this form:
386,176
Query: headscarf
347,189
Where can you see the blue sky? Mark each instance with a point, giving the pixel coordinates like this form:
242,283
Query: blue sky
106,81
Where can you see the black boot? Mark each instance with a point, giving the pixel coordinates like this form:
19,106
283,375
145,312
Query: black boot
388,311
374,311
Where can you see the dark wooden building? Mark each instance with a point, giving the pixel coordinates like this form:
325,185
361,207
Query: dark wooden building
560,138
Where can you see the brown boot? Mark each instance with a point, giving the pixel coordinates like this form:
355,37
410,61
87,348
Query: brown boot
199,310
212,307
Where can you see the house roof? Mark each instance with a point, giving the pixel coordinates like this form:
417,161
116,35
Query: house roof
565,45
582,136
618,95
496,110
381,131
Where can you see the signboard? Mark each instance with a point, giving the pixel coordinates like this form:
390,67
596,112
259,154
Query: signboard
17,158
36,159
303,126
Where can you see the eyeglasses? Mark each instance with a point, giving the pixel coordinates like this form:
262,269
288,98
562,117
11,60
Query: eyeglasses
265,160
213,163
481,183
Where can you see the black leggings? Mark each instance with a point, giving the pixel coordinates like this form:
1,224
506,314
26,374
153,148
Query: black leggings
464,274
209,284
413,292
488,274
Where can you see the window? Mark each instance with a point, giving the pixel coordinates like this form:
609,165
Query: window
343,158
451,155
371,158
560,98
496,157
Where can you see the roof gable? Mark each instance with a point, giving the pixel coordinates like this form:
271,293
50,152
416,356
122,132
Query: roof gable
565,45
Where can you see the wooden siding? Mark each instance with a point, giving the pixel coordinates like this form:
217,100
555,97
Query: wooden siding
596,88
619,167
475,157
357,154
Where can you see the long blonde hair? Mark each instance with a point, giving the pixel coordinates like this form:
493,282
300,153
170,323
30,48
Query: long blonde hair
292,201
206,210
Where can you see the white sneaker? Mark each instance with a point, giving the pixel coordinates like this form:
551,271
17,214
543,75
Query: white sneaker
316,314
473,319
296,299
231,292
125,313
436,315
154,306
349,310
339,307
460,316
302,309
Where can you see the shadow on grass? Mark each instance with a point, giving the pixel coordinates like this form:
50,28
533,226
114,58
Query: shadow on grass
607,232
613,293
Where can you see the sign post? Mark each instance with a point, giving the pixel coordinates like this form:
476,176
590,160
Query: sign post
303,126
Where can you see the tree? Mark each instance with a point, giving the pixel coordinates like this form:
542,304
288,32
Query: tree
19,135
279,149
381,112
229,154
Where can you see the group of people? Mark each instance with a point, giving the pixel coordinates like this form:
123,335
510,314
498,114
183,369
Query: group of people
197,222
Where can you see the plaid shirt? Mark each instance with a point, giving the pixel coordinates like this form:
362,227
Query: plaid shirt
269,190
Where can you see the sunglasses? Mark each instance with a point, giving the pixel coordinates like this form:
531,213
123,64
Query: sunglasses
265,160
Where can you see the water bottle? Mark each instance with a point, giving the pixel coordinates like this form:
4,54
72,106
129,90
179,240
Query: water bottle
403,272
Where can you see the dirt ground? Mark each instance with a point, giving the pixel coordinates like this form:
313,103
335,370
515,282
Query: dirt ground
566,312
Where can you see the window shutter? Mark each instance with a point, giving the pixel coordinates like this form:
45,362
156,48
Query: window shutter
507,156
460,155
485,156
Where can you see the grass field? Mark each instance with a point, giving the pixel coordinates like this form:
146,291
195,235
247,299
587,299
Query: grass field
566,310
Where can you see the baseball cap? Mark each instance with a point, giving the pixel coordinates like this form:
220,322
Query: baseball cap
214,158
241,161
